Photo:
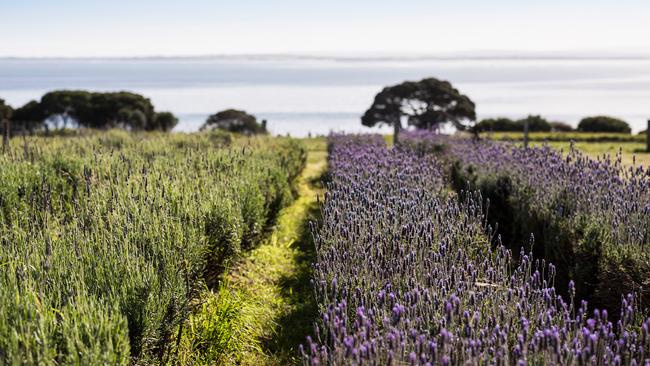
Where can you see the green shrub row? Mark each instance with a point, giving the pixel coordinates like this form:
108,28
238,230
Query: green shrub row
106,239
603,124
566,136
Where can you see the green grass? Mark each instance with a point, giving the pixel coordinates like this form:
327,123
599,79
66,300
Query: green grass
566,136
595,145
264,309
631,153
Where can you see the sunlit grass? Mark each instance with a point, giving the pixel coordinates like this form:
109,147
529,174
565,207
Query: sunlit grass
631,152
566,136
596,145
268,290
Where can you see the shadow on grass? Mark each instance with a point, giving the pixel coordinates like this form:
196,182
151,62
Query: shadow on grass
319,182
293,327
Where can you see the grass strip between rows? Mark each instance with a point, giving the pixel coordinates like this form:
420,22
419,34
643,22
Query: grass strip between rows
264,308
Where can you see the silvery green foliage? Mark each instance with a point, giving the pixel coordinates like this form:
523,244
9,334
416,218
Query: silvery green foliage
105,240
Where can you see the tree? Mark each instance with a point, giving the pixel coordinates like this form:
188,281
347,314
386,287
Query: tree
5,116
603,124
561,127
234,120
5,111
497,125
66,106
29,117
163,121
535,124
424,104
119,109
133,119
104,110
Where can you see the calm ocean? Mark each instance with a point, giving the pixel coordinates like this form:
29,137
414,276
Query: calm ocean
317,95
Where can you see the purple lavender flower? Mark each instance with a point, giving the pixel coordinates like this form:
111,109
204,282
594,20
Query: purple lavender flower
420,280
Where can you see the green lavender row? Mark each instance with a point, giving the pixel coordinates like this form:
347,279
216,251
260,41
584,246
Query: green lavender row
106,239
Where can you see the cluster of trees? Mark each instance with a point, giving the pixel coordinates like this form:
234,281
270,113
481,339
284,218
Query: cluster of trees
540,124
535,124
237,121
78,108
430,103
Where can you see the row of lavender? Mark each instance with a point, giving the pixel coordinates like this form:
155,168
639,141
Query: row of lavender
405,275
591,218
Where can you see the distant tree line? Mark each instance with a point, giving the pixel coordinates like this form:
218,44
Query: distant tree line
79,108
430,103
540,124
535,124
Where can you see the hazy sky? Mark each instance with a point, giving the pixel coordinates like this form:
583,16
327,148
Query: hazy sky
208,27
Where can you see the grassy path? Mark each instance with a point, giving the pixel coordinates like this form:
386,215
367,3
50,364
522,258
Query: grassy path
265,307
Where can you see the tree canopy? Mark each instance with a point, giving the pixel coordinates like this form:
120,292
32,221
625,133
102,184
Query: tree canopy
67,106
99,110
28,117
5,110
79,108
502,124
561,127
603,124
424,104
233,120
536,123
163,121
120,109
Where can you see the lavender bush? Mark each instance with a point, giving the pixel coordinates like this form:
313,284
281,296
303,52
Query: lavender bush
406,275
591,218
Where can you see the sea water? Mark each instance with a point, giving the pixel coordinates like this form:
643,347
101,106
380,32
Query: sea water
316,95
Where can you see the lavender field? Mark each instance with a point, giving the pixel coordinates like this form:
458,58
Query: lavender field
453,252
325,183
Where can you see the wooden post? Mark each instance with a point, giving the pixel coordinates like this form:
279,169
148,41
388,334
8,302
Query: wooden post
647,138
526,133
397,126
5,135
25,146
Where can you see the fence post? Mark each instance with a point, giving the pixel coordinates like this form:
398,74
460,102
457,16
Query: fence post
5,135
396,126
526,133
647,138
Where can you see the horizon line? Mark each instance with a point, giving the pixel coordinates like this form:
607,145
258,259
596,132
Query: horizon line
367,57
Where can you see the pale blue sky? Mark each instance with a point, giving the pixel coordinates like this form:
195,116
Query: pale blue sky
202,27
